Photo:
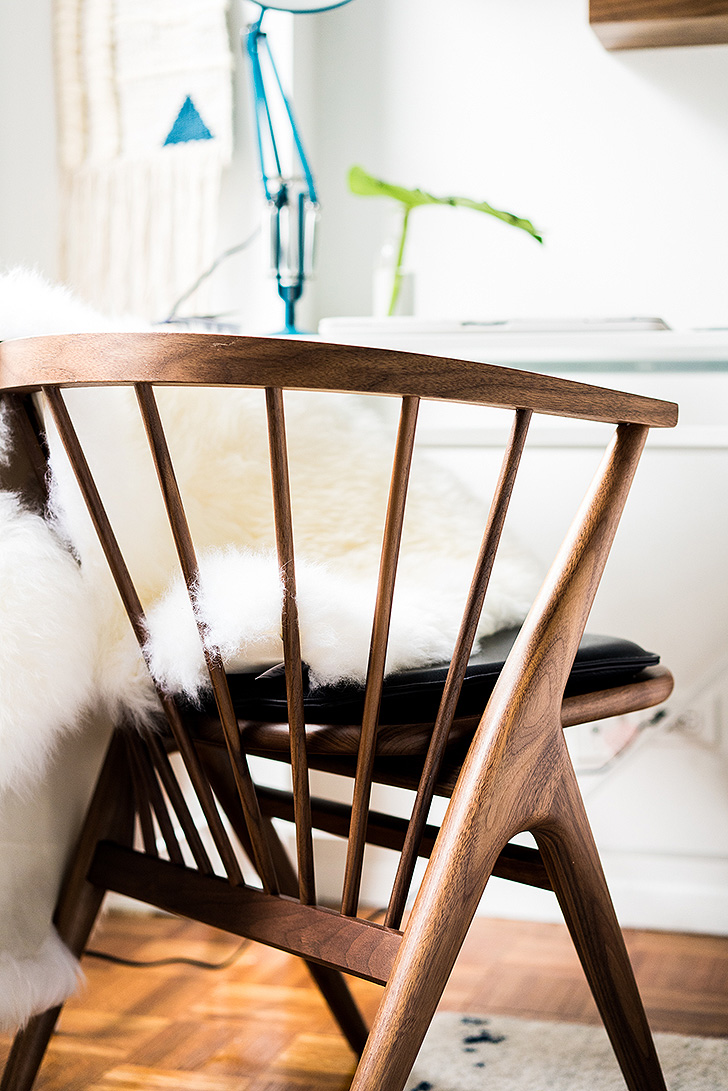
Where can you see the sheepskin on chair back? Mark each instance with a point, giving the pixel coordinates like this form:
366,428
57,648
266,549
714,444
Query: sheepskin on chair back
340,452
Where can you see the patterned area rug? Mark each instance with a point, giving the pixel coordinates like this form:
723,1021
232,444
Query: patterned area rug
470,1053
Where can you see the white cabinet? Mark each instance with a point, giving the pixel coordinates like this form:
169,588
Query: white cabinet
660,809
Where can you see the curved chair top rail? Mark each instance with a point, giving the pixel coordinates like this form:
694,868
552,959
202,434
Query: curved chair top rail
205,359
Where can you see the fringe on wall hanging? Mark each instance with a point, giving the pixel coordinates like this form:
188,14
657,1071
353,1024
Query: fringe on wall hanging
145,130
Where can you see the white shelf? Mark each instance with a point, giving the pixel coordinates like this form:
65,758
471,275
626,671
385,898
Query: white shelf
550,349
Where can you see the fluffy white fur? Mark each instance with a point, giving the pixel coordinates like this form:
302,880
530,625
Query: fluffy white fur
239,598
67,645
36,830
340,458
48,630
30,306
33,984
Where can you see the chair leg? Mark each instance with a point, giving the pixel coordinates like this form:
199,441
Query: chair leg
30,1044
331,983
334,989
572,862
465,853
28,1051
110,814
509,783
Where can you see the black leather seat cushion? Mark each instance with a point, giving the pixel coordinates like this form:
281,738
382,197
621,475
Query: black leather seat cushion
413,696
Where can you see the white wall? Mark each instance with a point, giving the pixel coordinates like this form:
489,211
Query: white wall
621,159
28,174
659,812
29,177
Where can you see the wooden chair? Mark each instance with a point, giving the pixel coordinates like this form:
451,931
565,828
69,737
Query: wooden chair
507,770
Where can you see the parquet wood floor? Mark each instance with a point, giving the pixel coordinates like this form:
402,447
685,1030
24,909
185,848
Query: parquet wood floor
261,1026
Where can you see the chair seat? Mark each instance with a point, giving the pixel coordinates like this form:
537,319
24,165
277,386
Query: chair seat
410,698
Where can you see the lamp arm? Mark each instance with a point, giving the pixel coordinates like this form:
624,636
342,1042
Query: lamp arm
256,40
291,199
294,128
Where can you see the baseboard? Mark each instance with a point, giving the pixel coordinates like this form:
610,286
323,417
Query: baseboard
665,893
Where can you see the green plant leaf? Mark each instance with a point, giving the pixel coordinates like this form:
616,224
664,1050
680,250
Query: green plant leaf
366,185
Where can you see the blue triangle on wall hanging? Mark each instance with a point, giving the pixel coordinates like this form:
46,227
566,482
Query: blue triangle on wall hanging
188,125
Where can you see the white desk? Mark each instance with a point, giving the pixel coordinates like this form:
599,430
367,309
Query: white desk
660,813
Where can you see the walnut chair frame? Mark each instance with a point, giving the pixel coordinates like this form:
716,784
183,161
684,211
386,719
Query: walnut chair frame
510,772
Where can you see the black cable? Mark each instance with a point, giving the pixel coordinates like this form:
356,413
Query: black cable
106,956
172,316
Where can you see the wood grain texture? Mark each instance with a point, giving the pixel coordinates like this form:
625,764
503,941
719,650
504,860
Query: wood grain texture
97,512
392,537
209,360
509,781
291,637
639,24
651,687
331,983
654,685
572,862
516,862
461,653
656,9
135,613
213,660
320,935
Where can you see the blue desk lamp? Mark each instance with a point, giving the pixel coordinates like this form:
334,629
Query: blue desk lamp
292,200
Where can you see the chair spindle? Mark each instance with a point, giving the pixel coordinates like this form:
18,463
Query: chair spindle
157,801
458,665
144,809
378,652
135,613
179,804
291,642
216,671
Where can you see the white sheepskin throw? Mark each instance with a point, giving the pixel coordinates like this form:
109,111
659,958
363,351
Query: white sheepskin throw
48,667
68,660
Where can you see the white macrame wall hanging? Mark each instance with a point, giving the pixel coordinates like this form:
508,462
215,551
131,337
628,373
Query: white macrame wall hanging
145,130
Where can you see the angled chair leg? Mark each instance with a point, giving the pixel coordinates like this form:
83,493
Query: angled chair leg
572,862
30,1044
432,940
29,1047
331,983
334,989
525,783
465,853
110,814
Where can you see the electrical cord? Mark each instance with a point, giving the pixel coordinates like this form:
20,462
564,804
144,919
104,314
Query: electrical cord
180,960
172,316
